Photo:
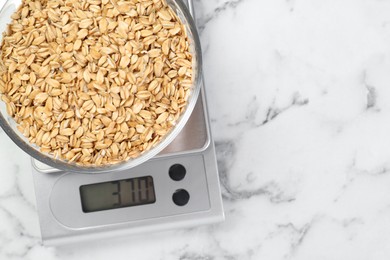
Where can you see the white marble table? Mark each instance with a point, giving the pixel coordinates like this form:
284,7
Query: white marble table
299,94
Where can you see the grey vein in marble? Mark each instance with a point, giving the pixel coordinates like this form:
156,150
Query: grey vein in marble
225,156
228,5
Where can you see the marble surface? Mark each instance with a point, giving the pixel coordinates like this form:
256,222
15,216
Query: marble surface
299,96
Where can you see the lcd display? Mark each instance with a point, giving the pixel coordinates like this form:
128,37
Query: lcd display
117,194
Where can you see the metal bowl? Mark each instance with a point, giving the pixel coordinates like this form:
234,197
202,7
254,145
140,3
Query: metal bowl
9,125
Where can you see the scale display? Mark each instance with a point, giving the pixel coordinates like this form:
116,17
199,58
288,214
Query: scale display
117,194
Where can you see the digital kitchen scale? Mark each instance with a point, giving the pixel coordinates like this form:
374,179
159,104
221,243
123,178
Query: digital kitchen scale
177,188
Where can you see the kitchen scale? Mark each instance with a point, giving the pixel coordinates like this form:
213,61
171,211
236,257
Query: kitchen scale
177,188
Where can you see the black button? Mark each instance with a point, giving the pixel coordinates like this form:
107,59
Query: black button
177,172
181,197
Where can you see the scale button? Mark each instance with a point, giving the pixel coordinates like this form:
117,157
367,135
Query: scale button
181,197
177,172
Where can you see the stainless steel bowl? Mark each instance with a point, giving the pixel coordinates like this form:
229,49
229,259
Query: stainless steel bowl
9,125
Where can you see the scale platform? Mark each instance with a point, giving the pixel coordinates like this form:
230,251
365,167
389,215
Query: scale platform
177,188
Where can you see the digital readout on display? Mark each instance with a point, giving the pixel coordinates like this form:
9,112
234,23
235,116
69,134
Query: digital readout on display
117,194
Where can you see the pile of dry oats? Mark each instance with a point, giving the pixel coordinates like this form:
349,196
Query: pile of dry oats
95,82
